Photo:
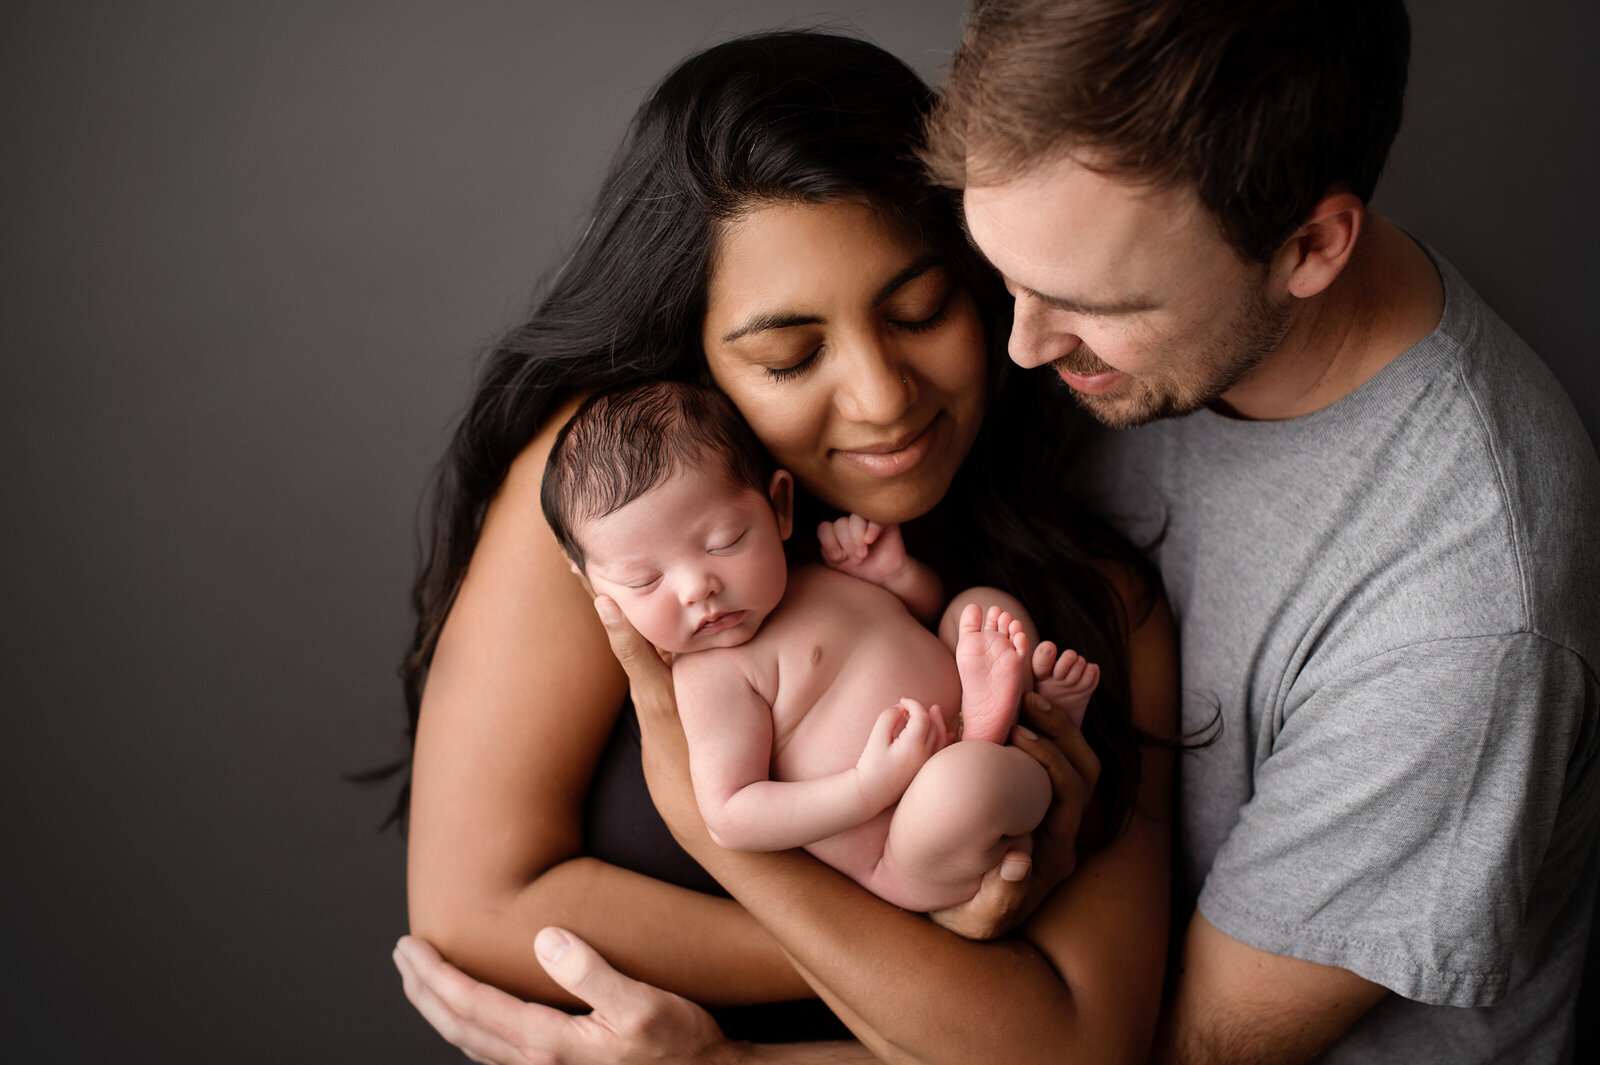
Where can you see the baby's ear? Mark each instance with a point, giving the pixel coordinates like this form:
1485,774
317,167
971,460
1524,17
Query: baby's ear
781,491
582,576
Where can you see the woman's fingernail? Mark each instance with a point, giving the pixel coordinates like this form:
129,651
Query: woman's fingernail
1015,868
606,607
1023,732
550,944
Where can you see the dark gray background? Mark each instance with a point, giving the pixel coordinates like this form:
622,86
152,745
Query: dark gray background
249,253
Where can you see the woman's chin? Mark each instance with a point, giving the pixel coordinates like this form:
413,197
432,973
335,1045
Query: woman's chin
894,504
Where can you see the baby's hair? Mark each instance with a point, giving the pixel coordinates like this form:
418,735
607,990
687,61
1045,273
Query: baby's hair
621,444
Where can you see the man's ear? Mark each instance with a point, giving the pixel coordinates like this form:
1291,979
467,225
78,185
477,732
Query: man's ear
1314,256
781,491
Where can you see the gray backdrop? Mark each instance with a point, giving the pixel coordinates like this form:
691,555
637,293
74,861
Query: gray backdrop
249,254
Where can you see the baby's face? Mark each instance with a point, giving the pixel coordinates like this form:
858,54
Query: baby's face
696,562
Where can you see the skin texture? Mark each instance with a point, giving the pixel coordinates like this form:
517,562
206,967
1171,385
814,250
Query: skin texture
697,562
880,351
1138,282
524,690
1148,293
1080,983
867,382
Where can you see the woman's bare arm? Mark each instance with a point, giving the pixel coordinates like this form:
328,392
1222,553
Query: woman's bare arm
521,698
1083,979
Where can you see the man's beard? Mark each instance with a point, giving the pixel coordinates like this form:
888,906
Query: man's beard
1254,334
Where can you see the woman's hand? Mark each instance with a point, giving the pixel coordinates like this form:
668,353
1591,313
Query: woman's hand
666,752
1014,889
629,1022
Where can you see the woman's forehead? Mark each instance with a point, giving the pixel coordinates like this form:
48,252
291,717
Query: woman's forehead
785,256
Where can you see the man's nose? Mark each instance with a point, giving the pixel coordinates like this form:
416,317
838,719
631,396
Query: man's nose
1038,334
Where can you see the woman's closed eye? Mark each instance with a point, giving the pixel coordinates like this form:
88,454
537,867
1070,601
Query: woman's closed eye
795,369
926,324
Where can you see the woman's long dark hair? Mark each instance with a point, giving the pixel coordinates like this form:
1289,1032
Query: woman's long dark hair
775,118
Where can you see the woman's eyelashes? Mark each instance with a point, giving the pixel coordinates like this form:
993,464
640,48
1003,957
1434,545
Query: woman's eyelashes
925,324
793,370
929,323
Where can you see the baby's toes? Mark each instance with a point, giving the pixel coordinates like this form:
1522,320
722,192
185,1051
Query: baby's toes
1044,660
1068,667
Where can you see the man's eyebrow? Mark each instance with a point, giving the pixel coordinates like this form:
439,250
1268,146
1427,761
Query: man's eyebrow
780,320
1126,305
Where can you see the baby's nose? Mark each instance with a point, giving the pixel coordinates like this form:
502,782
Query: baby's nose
699,587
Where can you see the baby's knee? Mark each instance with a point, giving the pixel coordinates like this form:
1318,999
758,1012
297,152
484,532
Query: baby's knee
984,597
976,788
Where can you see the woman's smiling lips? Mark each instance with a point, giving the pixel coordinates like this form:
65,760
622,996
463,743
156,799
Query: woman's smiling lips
893,457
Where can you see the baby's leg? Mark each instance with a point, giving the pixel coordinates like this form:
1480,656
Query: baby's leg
990,633
968,806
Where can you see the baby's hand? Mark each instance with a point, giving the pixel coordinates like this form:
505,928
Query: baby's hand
863,548
903,738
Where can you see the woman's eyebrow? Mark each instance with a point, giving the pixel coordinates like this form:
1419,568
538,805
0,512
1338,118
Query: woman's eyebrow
760,323
919,266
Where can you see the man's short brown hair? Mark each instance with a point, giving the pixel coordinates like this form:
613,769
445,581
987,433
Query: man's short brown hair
1263,106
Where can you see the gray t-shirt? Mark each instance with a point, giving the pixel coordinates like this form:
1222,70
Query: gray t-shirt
1395,604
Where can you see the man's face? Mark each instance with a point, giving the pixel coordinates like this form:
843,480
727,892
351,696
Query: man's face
1129,293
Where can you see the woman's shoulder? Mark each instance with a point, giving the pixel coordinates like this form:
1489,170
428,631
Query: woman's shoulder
519,492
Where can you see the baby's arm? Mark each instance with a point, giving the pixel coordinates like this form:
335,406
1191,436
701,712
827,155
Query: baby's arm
876,553
728,726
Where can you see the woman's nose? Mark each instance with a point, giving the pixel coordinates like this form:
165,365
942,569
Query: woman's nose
1038,335
880,387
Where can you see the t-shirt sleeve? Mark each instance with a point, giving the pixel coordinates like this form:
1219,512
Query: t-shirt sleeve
1401,815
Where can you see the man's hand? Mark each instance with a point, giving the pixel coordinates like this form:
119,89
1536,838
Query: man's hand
630,1021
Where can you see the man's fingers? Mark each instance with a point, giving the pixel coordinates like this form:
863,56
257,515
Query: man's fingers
580,969
464,1012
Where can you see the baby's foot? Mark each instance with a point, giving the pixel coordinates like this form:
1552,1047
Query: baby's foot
1065,681
992,660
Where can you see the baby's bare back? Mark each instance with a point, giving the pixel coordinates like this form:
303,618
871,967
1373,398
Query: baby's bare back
843,651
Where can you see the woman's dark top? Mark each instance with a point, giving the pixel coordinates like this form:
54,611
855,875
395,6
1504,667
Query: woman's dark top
621,826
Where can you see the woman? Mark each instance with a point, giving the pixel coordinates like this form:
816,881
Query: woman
767,228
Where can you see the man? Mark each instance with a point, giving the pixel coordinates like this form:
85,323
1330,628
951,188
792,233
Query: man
1372,507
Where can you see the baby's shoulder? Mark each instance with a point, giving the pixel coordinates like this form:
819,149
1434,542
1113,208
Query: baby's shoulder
814,584
821,597
722,672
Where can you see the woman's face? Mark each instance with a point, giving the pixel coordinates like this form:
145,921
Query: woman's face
855,356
